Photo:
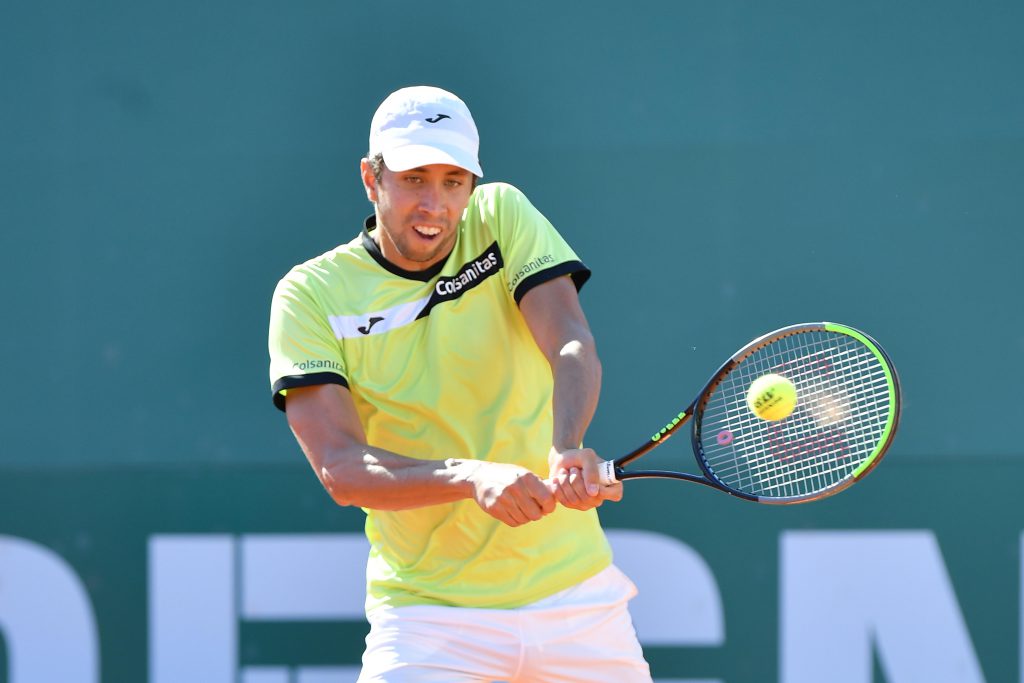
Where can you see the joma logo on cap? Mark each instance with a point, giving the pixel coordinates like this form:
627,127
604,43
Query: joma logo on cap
438,118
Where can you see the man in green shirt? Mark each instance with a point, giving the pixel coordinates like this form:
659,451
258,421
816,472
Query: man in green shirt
438,372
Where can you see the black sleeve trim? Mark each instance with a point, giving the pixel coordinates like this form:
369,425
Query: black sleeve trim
296,381
579,272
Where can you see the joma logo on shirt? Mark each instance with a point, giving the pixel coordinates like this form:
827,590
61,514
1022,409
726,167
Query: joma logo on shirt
365,329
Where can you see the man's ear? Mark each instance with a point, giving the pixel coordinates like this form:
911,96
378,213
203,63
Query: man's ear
369,181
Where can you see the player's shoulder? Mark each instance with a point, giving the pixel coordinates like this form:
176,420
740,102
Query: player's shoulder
496,193
498,204
325,268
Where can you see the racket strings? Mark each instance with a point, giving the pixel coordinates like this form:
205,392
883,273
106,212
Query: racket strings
842,411
819,460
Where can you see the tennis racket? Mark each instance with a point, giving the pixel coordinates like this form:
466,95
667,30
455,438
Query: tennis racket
846,413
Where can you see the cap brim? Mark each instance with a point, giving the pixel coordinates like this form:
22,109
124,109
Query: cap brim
413,156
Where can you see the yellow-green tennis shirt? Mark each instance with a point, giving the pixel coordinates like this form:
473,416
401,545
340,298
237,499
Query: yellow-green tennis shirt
441,364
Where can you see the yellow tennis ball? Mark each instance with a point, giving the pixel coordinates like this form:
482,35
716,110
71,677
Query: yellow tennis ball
772,397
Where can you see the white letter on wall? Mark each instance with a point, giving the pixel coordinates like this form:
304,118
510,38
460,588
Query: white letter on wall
679,603
46,617
844,592
193,625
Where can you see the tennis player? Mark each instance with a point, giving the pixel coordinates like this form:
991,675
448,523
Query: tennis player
439,373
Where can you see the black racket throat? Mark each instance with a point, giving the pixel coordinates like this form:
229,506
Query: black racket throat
622,475
660,437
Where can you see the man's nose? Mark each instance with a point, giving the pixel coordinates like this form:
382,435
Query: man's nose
432,200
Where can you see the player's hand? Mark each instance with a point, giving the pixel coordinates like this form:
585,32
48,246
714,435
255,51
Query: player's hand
511,494
575,479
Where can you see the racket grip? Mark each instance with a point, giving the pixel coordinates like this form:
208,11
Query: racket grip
606,470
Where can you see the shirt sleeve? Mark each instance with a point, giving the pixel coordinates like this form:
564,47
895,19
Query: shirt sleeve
532,250
303,349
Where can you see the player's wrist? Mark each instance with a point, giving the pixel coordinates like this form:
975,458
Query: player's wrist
461,475
560,451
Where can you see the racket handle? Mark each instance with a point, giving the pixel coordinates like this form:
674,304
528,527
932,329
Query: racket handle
607,472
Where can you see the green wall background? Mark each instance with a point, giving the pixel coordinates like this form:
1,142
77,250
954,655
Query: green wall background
725,168
734,166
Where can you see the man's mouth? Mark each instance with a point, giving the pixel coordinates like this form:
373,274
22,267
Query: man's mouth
427,230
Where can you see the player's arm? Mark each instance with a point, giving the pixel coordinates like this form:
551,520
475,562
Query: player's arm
326,425
552,312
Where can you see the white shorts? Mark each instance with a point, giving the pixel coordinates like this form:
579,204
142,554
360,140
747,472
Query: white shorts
583,633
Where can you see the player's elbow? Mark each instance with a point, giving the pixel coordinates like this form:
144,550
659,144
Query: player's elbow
338,487
582,351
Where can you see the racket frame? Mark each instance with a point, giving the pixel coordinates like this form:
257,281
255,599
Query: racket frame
613,470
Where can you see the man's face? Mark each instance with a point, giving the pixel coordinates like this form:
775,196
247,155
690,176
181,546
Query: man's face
418,212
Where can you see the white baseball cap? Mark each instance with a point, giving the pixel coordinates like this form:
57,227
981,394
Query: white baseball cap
425,125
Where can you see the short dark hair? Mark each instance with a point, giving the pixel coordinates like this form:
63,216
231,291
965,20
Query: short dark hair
377,165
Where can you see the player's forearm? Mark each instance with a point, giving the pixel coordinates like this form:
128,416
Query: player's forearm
577,386
378,479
